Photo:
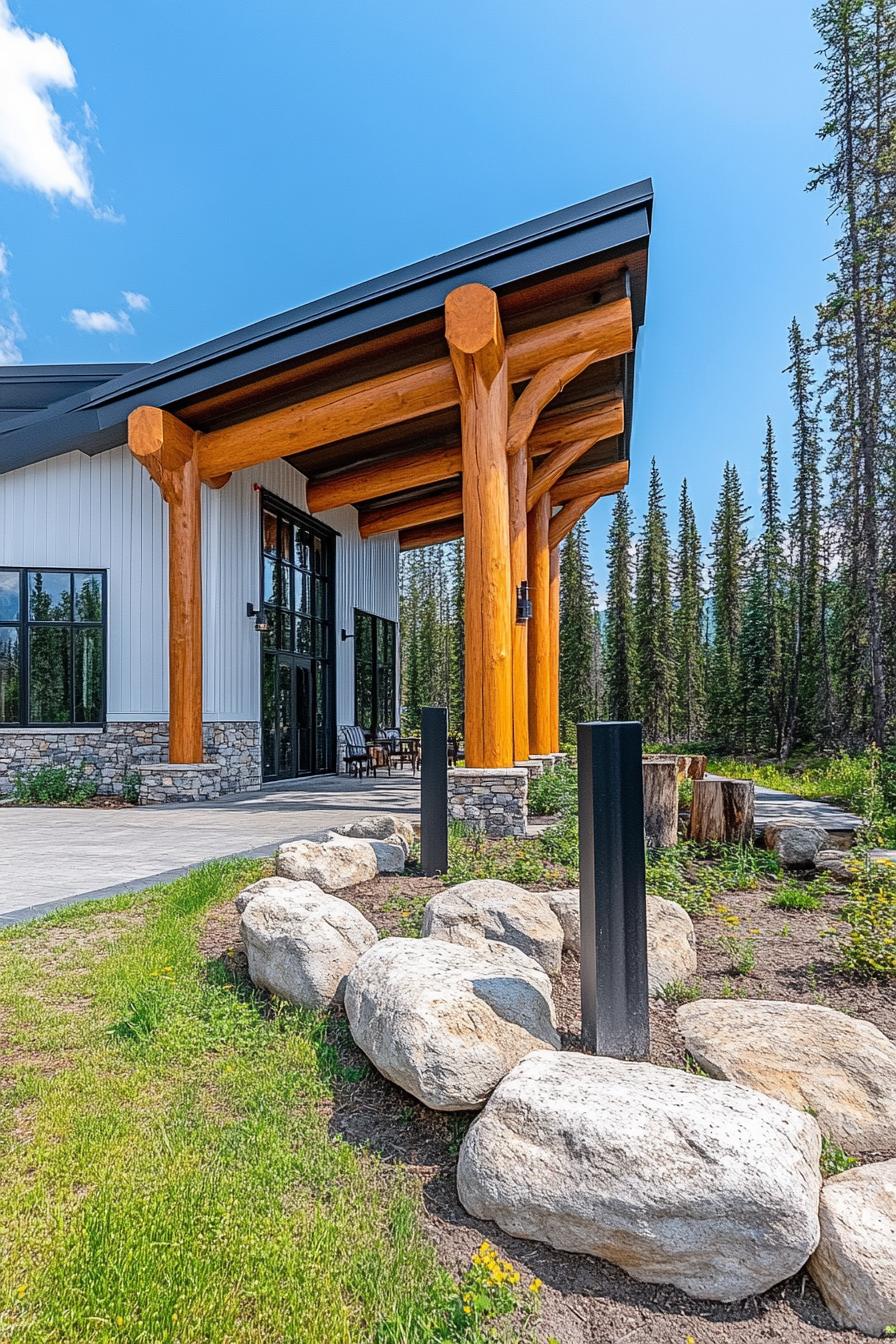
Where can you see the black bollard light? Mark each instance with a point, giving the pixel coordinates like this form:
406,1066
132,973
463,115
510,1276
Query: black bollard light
612,891
434,791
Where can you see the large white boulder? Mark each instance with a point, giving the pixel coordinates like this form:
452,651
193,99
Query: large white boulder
334,864
674,1178
487,910
855,1263
390,854
301,945
273,886
795,842
380,827
841,1068
446,1022
671,944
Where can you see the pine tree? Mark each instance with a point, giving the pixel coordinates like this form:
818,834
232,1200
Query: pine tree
729,552
619,656
690,685
578,700
654,657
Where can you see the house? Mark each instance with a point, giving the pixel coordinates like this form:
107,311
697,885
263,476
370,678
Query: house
199,557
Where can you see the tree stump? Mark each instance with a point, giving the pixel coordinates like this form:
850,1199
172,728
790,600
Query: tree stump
722,809
660,802
689,767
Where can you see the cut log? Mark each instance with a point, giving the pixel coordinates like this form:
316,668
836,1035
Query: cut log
689,767
660,803
722,809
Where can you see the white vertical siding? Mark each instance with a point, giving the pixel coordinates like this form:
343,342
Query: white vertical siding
105,512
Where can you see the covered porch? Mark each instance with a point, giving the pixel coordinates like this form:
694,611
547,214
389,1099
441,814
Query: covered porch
485,394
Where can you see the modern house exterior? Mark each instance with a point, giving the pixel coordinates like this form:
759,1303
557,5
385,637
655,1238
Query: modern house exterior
199,557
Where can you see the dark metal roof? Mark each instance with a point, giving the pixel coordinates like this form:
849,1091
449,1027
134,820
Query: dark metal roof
34,387
94,418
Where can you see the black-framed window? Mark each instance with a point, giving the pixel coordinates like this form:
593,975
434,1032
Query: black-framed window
52,647
374,672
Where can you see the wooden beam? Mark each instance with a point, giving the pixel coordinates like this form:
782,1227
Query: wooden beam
409,513
539,646
167,448
563,522
476,342
404,471
542,388
606,480
554,623
393,398
517,479
555,464
432,534
568,424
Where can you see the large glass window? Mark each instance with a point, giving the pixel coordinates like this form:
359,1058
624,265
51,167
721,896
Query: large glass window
52,646
374,672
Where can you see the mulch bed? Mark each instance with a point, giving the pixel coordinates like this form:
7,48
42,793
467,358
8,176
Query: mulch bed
585,1300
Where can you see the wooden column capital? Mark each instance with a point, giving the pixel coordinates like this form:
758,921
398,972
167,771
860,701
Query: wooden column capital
474,334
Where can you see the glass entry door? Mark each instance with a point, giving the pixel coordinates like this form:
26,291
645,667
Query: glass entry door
298,731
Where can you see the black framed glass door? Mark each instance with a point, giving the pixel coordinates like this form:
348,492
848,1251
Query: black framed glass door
297,657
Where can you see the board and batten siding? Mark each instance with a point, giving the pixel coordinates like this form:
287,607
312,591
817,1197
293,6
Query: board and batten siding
105,512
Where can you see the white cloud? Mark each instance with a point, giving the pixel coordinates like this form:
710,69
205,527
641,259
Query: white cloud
11,330
4,259
138,303
36,149
102,321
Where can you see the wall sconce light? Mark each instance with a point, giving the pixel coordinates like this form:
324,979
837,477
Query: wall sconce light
261,624
346,635
523,604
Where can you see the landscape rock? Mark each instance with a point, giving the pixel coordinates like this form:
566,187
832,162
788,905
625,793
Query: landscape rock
834,862
268,886
380,827
795,842
334,864
500,912
855,1263
390,854
675,1179
841,1068
301,945
446,1022
565,905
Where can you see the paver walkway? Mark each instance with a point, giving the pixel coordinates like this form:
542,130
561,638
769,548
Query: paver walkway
54,856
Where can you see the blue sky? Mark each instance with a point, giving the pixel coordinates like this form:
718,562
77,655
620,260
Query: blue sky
219,162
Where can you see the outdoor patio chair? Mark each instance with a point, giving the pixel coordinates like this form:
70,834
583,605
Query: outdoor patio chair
404,750
355,751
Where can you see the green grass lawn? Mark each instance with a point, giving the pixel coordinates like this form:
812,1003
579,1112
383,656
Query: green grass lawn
168,1174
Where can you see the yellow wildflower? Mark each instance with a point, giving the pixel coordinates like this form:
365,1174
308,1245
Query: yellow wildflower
535,1286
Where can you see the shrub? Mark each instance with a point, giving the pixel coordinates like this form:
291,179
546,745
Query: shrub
556,791
740,951
52,784
799,895
679,991
868,947
473,855
130,787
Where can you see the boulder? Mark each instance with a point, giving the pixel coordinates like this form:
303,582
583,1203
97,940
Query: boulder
334,864
301,945
835,863
795,842
474,912
446,1022
840,1068
855,1263
390,854
565,905
381,827
675,1179
671,944
267,886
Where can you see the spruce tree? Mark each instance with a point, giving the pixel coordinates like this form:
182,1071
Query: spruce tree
456,640
688,624
763,676
654,657
724,705
619,656
578,701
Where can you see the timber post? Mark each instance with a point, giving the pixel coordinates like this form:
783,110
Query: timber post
476,344
518,480
166,447
539,650
554,621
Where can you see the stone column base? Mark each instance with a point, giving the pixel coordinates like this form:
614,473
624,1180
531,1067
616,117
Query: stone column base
533,768
490,800
165,783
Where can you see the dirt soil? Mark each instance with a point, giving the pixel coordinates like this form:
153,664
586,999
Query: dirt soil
585,1300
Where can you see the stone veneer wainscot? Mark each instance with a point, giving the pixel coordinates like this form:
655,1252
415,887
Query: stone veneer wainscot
494,801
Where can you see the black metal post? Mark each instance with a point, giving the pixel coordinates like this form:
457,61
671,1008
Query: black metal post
612,891
434,791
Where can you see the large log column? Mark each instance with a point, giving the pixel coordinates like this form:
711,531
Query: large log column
476,343
554,616
518,480
539,636
166,447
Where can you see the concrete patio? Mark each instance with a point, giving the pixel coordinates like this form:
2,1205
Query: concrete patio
54,856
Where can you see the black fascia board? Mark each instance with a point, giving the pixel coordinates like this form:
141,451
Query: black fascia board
95,421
